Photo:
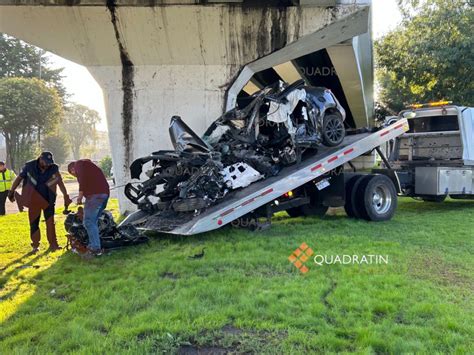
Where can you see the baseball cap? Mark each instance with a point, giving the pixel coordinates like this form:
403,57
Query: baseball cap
2,162
47,157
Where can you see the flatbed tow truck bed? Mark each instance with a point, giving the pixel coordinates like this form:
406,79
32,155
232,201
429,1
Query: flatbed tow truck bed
245,200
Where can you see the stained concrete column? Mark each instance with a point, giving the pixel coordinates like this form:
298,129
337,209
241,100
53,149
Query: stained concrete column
159,92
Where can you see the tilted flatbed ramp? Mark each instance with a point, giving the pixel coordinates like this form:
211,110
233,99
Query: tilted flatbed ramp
243,201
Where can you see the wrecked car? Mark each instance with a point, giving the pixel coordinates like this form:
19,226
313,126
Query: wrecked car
278,127
111,235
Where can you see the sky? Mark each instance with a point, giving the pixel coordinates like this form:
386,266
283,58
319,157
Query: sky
84,89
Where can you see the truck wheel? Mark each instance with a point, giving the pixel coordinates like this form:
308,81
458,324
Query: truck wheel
294,212
376,198
437,199
349,206
333,130
357,197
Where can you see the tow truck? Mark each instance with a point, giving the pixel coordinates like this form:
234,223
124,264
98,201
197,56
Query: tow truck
307,188
435,157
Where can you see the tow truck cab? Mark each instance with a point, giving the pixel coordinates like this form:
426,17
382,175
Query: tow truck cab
435,157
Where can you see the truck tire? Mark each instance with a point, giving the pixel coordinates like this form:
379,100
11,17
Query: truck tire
357,195
349,205
333,130
376,198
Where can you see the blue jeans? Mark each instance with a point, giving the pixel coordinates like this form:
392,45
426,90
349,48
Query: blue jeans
93,208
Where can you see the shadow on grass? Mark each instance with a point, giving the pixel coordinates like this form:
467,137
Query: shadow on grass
152,298
7,276
16,261
411,205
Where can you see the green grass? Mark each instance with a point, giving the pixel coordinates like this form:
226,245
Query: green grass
67,177
244,295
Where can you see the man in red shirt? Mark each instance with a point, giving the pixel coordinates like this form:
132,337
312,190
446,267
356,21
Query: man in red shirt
94,187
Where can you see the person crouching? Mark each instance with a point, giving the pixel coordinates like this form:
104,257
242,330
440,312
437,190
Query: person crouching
93,186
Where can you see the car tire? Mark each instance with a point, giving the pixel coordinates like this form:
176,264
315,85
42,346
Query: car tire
333,130
376,198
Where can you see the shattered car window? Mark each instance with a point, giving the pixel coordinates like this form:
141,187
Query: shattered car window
278,126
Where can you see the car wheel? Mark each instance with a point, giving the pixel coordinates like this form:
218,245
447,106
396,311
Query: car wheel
333,130
376,198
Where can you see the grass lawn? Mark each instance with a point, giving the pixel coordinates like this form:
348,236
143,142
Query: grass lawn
244,295
67,177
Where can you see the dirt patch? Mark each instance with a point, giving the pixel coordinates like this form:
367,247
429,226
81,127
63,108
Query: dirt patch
230,329
206,350
169,275
433,267
324,300
231,340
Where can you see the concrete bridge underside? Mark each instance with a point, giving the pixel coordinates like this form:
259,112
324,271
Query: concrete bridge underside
194,60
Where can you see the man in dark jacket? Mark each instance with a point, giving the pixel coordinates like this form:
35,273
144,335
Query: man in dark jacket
94,187
40,178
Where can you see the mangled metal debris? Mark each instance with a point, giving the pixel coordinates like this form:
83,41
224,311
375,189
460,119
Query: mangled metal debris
111,235
275,129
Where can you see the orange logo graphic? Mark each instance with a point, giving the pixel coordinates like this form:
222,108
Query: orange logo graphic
299,257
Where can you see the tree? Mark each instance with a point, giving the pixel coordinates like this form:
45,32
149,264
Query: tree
79,125
429,56
57,144
106,165
27,106
19,59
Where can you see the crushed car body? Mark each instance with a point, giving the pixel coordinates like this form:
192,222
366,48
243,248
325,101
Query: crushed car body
277,128
111,235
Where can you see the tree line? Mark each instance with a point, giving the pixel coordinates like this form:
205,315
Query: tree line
428,57
35,111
